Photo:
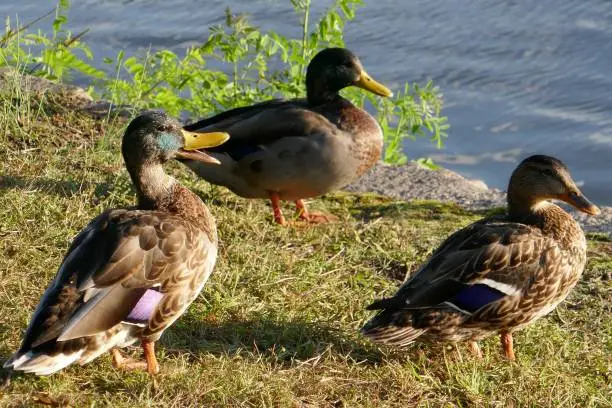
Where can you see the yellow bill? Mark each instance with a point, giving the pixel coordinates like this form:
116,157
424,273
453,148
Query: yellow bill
368,83
193,141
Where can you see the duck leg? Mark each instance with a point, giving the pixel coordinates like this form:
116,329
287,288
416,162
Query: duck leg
508,345
149,353
312,217
475,349
150,364
279,218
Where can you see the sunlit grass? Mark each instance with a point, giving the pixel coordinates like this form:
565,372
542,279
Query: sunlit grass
277,325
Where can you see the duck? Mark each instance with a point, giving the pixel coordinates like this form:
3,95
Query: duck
131,272
299,148
498,274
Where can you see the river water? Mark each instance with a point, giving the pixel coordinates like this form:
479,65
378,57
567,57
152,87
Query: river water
518,76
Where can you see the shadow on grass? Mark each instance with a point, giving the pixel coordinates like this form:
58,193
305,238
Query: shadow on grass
423,209
62,188
283,343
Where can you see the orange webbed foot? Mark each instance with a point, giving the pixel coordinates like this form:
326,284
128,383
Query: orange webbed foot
312,217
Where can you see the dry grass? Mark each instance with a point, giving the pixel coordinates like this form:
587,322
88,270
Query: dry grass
277,325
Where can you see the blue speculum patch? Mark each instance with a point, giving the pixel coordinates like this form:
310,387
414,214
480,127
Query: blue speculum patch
168,141
476,296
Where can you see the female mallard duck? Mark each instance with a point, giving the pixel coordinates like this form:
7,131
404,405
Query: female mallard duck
498,274
301,148
132,271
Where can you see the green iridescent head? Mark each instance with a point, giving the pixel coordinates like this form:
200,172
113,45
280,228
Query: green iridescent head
156,137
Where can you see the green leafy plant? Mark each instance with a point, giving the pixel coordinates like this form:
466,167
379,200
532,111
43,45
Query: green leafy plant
53,56
237,65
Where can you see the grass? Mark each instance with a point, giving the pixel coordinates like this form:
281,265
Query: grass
277,325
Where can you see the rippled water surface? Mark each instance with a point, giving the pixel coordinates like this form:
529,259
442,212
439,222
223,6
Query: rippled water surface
519,77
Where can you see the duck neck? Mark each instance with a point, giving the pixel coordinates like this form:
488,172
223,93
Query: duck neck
153,185
551,219
520,206
319,93
522,203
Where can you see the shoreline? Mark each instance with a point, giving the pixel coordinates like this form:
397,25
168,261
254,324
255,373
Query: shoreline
403,182
411,181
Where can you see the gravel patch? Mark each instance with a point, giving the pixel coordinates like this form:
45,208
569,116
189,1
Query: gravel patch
414,182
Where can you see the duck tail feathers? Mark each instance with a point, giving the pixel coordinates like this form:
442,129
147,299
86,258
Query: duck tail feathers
391,328
41,363
53,356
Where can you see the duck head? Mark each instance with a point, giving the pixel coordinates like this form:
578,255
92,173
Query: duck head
540,178
154,138
333,69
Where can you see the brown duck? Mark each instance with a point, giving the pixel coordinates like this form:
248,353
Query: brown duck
132,271
498,274
301,148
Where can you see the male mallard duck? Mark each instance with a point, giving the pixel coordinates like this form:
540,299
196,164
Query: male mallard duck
132,271
498,274
300,148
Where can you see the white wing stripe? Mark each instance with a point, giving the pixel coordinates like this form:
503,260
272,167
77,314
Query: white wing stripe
505,288
457,308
